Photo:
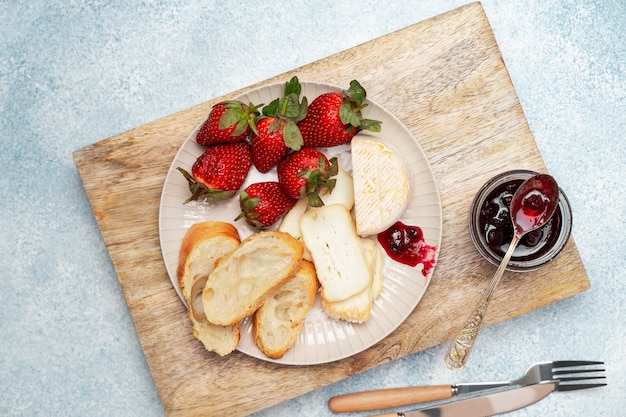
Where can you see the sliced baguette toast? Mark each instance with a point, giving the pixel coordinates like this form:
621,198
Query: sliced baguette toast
203,244
242,280
215,338
279,321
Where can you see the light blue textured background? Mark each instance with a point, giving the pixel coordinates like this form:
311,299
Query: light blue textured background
75,72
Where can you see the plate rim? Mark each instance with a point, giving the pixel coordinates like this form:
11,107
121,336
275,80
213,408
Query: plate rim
246,325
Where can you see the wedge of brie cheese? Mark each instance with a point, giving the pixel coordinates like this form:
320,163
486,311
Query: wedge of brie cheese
381,184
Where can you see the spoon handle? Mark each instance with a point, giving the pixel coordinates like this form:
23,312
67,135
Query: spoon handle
461,346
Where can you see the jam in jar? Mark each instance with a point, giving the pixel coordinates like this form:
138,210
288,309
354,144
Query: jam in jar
491,228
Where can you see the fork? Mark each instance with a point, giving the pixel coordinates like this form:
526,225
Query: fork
570,375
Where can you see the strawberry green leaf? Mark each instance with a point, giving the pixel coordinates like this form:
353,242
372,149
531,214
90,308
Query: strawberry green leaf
348,116
240,115
293,87
242,125
248,205
333,169
233,104
371,125
275,125
315,200
356,93
272,108
229,118
291,106
321,164
304,109
292,136
330,184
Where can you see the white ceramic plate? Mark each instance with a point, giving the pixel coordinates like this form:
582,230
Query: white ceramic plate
322,339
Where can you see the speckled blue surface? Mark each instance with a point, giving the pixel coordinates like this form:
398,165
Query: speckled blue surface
73,73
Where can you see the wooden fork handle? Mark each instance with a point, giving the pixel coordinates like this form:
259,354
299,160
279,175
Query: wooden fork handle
388,398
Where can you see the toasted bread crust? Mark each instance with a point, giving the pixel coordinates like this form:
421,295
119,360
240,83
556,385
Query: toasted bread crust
199,234
279,321
202,245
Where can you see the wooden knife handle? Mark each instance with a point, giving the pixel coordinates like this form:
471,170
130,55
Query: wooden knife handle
388,398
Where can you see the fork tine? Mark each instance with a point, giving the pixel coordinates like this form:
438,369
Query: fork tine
576,371
582,378
565,364
573,387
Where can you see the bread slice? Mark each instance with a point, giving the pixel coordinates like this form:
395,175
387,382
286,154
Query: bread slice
381,185
358,308
242,281
279,321
203,244
328,233
215,338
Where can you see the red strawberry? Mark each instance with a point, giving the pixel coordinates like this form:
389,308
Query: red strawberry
277,133
305,173
263,203
268,143
228,122
219,172
334,118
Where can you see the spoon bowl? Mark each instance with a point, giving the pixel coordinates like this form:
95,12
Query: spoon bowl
532,205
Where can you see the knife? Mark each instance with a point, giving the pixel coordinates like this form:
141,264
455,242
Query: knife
397,397
484,406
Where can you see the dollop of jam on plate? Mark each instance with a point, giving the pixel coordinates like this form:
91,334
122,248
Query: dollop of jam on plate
405,244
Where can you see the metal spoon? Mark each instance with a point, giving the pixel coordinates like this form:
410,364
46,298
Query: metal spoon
532,205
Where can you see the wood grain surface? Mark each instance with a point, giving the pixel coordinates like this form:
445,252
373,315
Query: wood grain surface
445,79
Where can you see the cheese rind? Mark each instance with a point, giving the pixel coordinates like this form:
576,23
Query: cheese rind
381,185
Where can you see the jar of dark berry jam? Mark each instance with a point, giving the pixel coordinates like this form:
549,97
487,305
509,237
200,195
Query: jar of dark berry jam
491,229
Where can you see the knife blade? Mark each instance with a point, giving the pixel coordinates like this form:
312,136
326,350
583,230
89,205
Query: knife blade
484,406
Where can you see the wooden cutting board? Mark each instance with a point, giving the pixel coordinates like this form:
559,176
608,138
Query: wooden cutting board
445,79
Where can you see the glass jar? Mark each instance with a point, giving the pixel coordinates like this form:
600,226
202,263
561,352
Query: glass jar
491,229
